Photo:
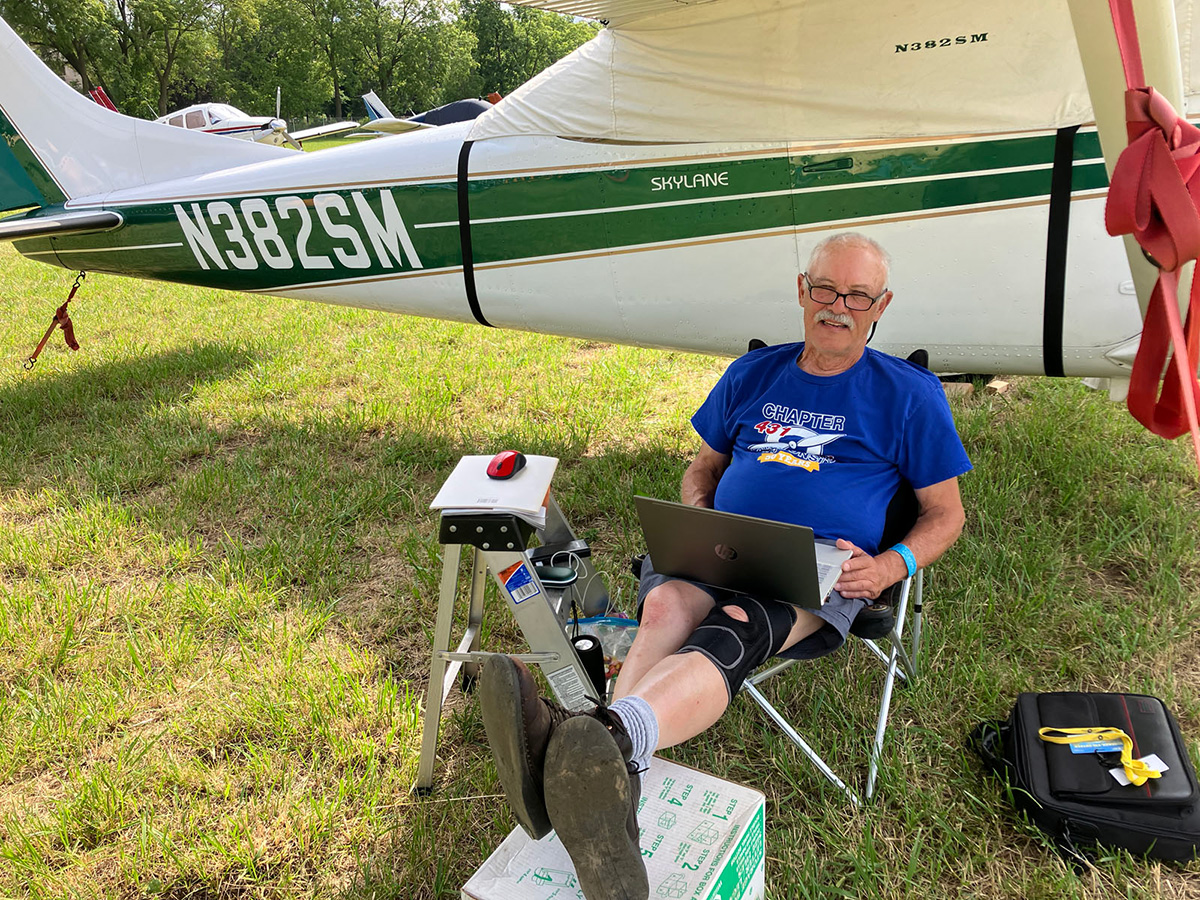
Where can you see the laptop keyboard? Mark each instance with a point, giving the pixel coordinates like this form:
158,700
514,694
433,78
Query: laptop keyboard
823,570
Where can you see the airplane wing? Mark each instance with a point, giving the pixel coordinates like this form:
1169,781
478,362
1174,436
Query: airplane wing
323,130
394,126
810,71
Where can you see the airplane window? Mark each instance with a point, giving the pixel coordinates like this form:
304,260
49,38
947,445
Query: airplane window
214,116
177,121
195,119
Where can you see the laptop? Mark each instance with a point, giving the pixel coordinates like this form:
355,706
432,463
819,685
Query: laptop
744,554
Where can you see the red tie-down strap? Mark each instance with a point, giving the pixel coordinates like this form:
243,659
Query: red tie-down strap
1154,196
61,320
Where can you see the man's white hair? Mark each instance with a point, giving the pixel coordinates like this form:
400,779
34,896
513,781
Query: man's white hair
848,240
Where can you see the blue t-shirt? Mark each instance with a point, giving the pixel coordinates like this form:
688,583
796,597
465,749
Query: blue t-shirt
827,451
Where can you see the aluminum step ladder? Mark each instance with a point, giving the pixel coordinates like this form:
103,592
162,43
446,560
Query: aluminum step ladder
498,543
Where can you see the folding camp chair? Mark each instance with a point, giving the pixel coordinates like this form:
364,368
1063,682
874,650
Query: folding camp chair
886,617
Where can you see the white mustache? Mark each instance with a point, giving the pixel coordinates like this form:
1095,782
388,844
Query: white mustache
828,315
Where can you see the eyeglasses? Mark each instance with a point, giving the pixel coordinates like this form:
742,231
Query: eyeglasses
827,296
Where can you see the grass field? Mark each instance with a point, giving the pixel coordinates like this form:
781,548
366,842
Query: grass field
339,140
218,577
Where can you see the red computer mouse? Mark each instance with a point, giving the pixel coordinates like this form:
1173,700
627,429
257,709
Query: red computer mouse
506,464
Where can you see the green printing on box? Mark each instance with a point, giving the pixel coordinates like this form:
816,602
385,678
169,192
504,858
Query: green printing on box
746,859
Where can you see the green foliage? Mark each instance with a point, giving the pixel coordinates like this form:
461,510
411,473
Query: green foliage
173,41
80,32
414,55
154,56
515,44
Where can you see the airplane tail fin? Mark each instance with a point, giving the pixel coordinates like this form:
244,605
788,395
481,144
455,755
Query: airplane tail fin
376,108
57,145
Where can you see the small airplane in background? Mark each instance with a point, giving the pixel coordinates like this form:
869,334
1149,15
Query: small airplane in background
380,118
229,121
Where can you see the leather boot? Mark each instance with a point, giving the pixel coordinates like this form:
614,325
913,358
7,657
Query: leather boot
519,724
592,793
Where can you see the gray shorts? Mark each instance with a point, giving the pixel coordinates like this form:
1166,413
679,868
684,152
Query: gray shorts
838,612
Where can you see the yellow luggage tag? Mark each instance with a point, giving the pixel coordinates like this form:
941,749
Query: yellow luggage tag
1135,770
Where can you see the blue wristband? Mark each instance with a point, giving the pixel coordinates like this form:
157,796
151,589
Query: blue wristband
910,561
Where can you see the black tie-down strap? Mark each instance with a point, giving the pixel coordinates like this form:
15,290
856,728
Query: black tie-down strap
464,235
1056,250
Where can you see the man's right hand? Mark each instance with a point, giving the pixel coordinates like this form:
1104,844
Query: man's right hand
865,576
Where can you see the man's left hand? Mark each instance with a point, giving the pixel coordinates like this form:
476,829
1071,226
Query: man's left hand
865,576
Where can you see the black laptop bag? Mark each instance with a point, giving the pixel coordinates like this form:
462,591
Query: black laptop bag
1074,798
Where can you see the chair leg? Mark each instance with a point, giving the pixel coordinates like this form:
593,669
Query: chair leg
896,638
897,657
899,662
916,625
796,739
885,706
908,667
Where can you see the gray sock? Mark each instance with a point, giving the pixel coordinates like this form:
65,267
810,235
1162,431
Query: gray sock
641,724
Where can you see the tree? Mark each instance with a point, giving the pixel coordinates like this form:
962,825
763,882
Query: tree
75,31
172,34
411,52
280,53
331,31
439,67
156,55
515,44
233,24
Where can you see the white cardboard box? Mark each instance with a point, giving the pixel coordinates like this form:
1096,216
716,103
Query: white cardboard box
702,839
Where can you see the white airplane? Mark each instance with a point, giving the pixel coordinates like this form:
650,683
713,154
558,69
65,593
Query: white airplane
662,185
229,121
380,118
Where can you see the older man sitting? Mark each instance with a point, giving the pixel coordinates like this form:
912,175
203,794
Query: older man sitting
885,420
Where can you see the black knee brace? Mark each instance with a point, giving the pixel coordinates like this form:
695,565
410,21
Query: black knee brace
735,647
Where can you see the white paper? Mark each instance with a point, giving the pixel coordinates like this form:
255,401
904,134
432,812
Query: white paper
829,566
469,489
1152,761
537,519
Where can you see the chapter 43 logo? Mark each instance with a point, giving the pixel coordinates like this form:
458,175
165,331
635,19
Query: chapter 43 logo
796,438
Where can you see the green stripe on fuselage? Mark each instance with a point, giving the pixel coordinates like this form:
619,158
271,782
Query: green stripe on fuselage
270,243
23,179
655,204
